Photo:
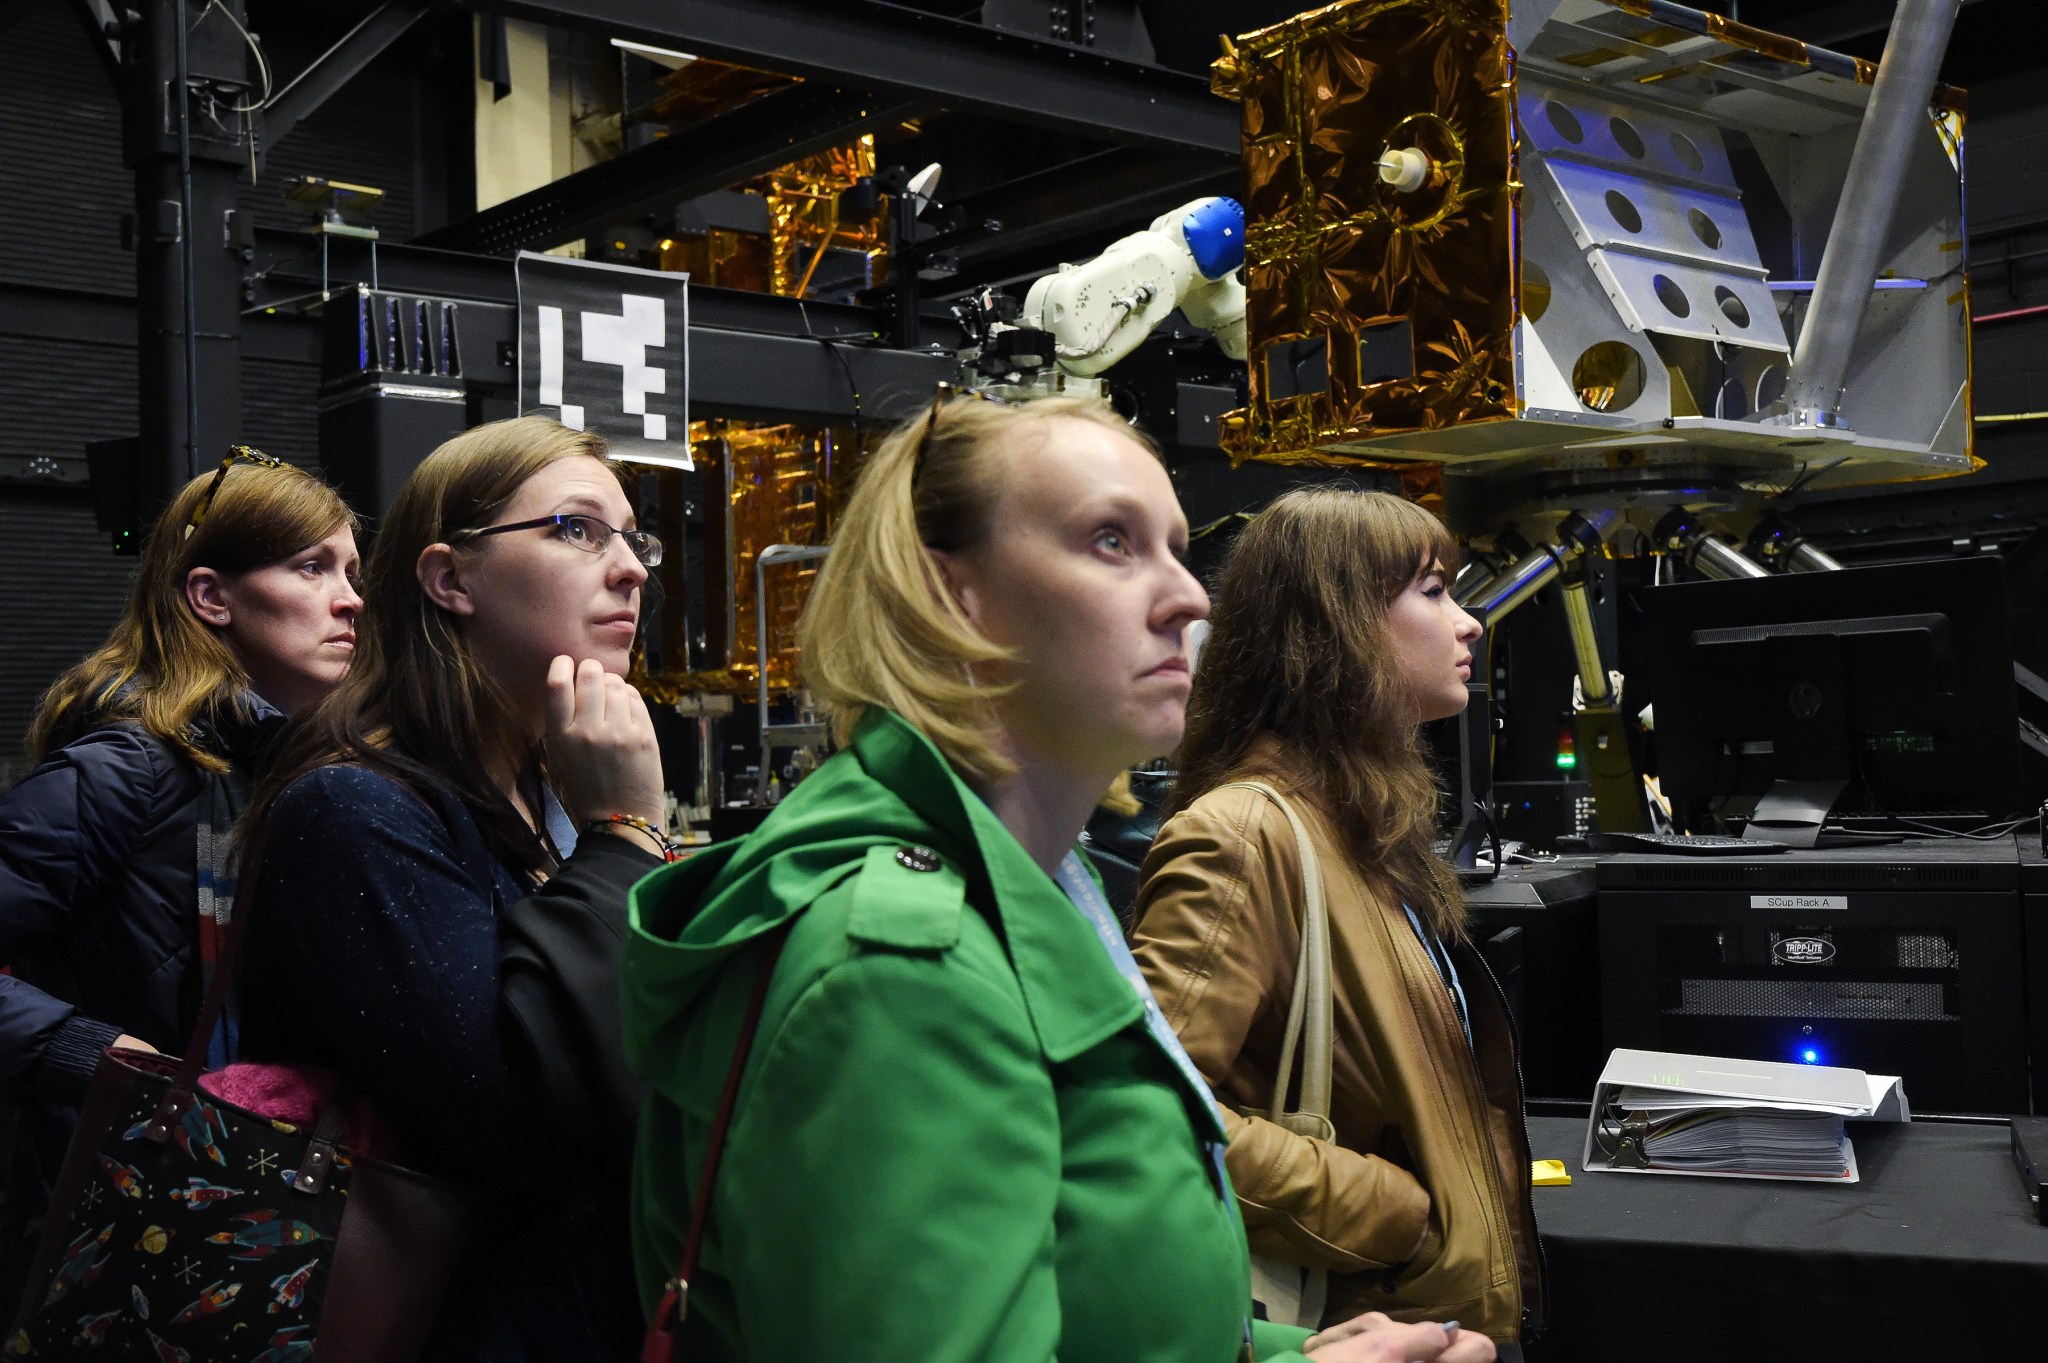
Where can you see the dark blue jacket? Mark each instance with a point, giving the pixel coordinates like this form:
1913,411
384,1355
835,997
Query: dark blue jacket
480,1013
99,924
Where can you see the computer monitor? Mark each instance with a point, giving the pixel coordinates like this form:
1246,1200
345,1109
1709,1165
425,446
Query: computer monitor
1879,694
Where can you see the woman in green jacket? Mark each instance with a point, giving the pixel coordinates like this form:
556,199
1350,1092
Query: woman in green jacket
963,1132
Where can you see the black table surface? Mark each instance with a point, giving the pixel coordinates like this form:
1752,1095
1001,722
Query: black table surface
1935,1253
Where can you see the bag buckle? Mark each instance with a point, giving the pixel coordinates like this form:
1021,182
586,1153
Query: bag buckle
311,1175
669,1312
169,1113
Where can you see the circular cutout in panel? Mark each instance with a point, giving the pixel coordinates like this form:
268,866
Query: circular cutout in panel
1705,228
1535,290
1671,296
1564,121
1430,200
1770,387
1688,153
1626,137
1609,376
1731,403
1731,307
1624,211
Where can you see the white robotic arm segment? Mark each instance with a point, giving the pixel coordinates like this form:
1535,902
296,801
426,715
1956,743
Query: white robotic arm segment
1098,312
1217,307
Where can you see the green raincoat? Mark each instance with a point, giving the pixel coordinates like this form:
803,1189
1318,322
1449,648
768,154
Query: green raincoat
956,1141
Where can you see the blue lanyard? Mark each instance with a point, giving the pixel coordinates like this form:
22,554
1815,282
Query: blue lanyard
1080,887
1440,957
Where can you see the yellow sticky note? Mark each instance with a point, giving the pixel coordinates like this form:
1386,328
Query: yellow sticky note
1549,1173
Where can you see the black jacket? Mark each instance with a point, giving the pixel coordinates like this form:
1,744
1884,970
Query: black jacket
481,1014
99,890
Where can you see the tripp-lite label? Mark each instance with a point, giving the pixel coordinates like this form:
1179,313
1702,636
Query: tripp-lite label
1799,901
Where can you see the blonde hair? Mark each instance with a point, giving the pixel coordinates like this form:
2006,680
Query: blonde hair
161,666
881,628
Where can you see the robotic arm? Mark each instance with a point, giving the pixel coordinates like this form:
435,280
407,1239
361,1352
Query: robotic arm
1098,312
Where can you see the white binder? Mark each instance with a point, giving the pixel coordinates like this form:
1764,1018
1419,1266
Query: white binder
1686,1111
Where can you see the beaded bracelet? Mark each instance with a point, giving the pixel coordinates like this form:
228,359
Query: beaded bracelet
670,851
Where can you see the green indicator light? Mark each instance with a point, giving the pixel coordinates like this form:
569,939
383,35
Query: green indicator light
1566,761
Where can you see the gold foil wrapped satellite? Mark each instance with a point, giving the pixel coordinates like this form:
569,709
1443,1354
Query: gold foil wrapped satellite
1594,275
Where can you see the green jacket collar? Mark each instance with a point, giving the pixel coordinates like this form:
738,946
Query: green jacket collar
1075,995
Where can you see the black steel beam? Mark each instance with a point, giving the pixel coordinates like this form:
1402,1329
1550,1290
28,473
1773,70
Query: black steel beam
339,65
754,375
751,140
883,47
752,355
289,279
102,24
751,375
107,319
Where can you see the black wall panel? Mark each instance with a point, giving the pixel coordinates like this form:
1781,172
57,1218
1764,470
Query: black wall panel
57,395
280,409
65,589
64,190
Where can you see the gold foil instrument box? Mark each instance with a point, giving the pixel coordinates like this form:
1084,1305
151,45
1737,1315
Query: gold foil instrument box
1568,249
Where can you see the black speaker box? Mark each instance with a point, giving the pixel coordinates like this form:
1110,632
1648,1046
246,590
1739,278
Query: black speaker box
1905,959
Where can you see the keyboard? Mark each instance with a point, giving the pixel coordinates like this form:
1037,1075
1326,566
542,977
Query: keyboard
1682,844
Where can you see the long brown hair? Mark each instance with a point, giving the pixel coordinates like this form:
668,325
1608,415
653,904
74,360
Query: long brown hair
1298,648
162,666
417,705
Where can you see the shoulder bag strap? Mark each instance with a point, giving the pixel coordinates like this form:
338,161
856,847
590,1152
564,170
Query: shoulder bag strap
1309,1010
674,1306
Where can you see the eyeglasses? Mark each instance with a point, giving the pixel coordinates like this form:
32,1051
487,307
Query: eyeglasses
237,454
945,395
587,533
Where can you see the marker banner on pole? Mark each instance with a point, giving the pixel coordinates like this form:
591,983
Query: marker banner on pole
605,348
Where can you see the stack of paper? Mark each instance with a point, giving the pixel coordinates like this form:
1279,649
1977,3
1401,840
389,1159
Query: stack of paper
1745,1140
1685,1114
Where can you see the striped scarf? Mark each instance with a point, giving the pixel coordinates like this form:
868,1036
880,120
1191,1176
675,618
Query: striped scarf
221,799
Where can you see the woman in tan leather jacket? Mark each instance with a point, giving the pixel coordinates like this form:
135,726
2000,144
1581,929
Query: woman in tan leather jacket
1332,638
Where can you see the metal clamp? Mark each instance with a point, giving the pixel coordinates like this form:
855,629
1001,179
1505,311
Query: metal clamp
1621,1137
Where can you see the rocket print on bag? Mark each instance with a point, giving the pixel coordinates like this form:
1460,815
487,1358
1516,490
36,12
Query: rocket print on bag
264,1235
291,1289
202,1131
215,1298
126,1178
84,1261
287,1347
166,1352
198,1192
93,1329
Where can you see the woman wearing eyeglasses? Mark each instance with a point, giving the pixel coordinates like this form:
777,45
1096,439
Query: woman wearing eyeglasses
960,1131
113,849
441,859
